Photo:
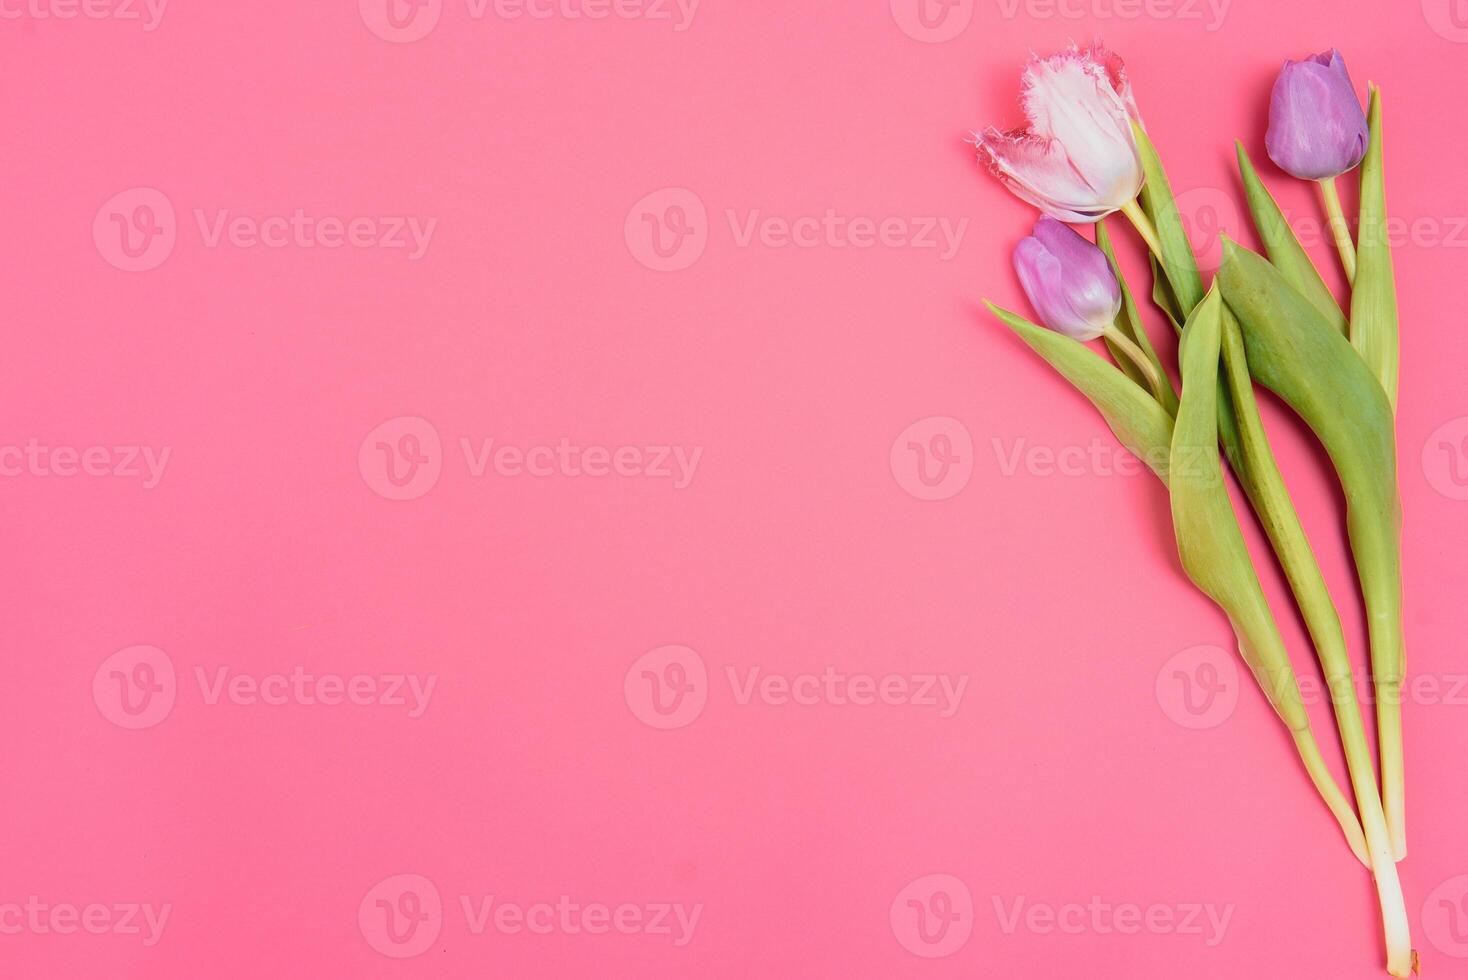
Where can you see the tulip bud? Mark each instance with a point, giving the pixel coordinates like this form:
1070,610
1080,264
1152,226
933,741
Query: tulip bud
1068,280
1078,160
1316,127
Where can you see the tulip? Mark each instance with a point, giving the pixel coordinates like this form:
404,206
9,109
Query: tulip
1317,132
1071,286
1068,280
1077,160
1316,126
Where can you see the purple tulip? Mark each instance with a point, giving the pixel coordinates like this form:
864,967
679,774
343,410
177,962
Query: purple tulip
1068,280
1316,127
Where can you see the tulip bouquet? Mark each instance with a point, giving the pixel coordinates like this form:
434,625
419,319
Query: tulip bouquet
1085,156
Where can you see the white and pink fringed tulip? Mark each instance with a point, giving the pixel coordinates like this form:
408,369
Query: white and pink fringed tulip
1077,160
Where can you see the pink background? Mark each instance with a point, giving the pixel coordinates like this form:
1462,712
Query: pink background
1072,770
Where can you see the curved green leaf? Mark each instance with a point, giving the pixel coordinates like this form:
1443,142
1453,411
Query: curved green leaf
1179,289
1374,328
1284,249
1208,537
1294,352
1142,425
1162,295
1215,557
1177,256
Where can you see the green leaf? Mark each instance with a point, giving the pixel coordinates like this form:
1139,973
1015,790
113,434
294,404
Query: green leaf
1129,322
1162,295
1374,328
1215,557
1142,425
1177,252
1282,524
1208,537
1180,288
1294,352
1285,250
1265,486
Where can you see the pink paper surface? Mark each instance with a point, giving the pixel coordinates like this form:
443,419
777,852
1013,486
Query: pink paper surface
531,490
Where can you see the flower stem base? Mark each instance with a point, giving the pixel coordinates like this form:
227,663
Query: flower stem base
1143,224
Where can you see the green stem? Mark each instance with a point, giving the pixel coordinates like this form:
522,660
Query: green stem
1331,793
1265,495
1137,356
1264,486
1339,230
1393,777
1396,927
1239,429
1373,846
1143,224
1281,523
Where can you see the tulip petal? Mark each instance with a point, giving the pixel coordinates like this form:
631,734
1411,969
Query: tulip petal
1082,261
1069,98
1038,171
1285,251
1316,126
1077,161
1115,72
1041,275
1068,280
